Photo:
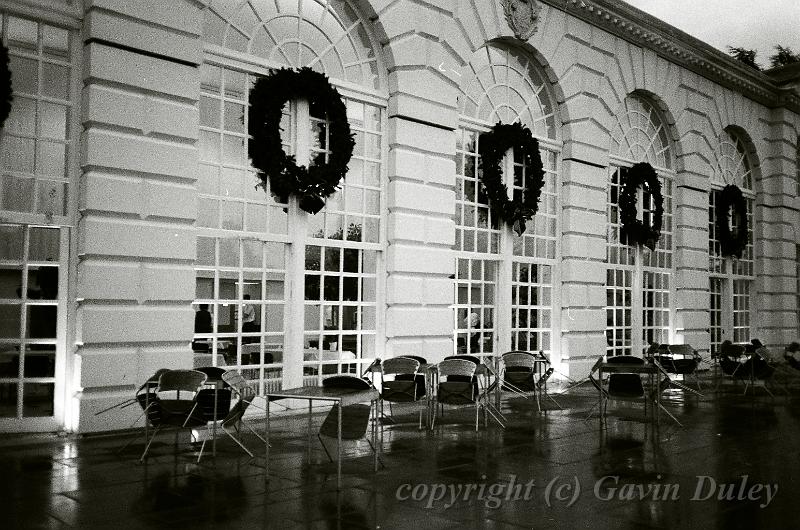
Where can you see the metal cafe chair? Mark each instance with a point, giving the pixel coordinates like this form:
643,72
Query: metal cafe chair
622,386
355,418
245,392
176,402
521,375
457,385
399,382
680,359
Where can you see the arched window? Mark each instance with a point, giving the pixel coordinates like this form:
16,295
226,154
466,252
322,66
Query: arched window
638,280
731,279
496,269
257,296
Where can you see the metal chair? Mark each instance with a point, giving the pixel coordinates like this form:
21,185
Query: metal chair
399,382
623,386
176,402
457,385
355,418
245,392
756,371
680,359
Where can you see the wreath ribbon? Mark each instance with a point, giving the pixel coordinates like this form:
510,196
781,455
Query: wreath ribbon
311,184
493,147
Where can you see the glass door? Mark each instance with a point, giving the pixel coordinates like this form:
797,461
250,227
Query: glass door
33,262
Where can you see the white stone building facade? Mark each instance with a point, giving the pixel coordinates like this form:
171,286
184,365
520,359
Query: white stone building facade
128,200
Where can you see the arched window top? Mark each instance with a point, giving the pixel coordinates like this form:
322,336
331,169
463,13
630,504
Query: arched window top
639,134
326,35
731,162
504,84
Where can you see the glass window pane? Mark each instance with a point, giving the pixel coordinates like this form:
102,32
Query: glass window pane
17,154
37,399
55,42
52,120
8,400
11,241
55,81
50,159
41,322
22,119
22,33
10,317
25,75
43,282
17,193
44,244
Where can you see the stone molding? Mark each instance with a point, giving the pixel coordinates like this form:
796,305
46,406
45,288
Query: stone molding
642,29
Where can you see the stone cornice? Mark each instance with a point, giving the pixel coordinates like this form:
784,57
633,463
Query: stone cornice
647,31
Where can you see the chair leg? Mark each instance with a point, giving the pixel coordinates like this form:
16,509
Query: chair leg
245,449
321,441
147,448
203,446
670,415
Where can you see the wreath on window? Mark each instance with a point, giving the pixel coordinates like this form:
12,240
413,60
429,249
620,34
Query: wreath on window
311,184
493,146
6,96
641,175
731,203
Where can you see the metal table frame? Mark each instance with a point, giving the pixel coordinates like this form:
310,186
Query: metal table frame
340,396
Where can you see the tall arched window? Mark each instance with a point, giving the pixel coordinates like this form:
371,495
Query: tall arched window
731,280
504,282
277,280
638,280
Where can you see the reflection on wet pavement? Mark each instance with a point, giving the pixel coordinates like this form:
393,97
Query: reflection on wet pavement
730,466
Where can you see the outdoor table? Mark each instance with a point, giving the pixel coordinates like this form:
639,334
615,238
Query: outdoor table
651,370
338,396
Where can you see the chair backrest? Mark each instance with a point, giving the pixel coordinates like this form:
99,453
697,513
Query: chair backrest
471,358
214,373
152,381
244,389
624,359
420,360
685,350
240,385
355,420
622,384
457,367
517,359
400,365
729,349
185,383
351,382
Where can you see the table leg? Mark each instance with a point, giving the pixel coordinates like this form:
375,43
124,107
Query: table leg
266,437
308,445
339,450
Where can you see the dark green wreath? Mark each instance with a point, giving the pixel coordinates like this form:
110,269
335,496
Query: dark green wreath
731,202
315,183
641,175
493,146
6,96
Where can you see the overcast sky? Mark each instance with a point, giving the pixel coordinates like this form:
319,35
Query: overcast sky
752,24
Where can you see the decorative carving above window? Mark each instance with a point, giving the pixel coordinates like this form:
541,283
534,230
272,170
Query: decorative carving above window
522,17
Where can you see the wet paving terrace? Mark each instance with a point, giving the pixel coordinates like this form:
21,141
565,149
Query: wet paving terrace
549,469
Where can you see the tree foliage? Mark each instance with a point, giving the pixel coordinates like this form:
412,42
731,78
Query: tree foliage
744,55
783,56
